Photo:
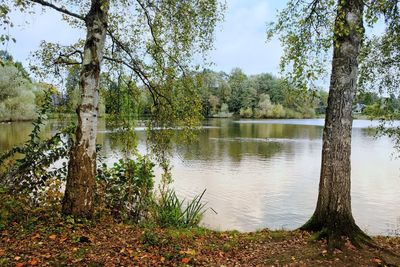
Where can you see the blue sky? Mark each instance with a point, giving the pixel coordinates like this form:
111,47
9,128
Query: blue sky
240,39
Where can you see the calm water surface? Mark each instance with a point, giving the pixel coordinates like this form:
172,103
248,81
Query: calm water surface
265,173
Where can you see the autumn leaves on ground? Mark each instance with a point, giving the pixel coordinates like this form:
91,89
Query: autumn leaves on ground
66,242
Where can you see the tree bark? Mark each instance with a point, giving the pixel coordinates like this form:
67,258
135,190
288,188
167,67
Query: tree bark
81,179
333,216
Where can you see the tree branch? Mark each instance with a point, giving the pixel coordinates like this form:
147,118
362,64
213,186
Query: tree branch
151,27
59,9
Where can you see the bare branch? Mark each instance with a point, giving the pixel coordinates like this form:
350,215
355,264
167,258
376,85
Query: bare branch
59,9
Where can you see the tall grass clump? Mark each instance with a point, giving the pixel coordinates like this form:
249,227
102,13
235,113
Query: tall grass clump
170,211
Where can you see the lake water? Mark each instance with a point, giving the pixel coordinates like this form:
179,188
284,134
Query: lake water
265,173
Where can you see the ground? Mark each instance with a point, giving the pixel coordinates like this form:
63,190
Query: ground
65,242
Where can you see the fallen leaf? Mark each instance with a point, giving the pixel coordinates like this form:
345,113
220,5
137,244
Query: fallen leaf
17,258
349,245
62,239
20,264
376,260
53,237
188,252
36,236
33,262
185,260
2,252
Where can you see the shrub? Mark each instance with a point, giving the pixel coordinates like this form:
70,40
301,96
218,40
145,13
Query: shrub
246,112
224,113
12,209
126,189
26,169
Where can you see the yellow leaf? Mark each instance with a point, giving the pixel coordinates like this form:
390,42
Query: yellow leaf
53,237
191,252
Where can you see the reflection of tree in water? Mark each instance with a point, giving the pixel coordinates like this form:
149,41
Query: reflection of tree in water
370,131
16,133
217,143
12,134
236,140
118,136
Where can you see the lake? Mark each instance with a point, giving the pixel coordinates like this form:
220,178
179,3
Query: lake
265,173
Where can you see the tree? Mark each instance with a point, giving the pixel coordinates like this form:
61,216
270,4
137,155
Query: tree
72,88
17,100
153,40
309,29
237,82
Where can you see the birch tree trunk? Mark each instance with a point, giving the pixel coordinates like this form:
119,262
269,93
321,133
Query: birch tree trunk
81,179
333,216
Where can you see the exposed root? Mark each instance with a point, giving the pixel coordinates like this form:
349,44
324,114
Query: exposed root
336,238
373,245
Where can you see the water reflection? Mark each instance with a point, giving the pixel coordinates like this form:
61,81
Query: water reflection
265,173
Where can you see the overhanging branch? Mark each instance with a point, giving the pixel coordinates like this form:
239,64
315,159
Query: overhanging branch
59,9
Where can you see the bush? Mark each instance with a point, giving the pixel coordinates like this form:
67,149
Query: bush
224,113
26,169
12,209
170,211
126,189
246,112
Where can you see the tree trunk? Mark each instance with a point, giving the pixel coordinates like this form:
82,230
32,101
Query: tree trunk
81,179
333,216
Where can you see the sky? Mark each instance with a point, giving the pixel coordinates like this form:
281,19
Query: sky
240,38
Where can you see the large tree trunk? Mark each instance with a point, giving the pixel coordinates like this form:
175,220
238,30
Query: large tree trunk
81,179
333,216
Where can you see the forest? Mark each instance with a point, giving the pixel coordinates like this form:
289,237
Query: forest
121,149
222,96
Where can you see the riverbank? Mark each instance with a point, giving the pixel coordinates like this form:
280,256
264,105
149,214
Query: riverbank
64,242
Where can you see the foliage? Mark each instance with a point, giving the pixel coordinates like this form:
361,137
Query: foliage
170,211
30,168
17,100
126,189
306,30
12,209
226,94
